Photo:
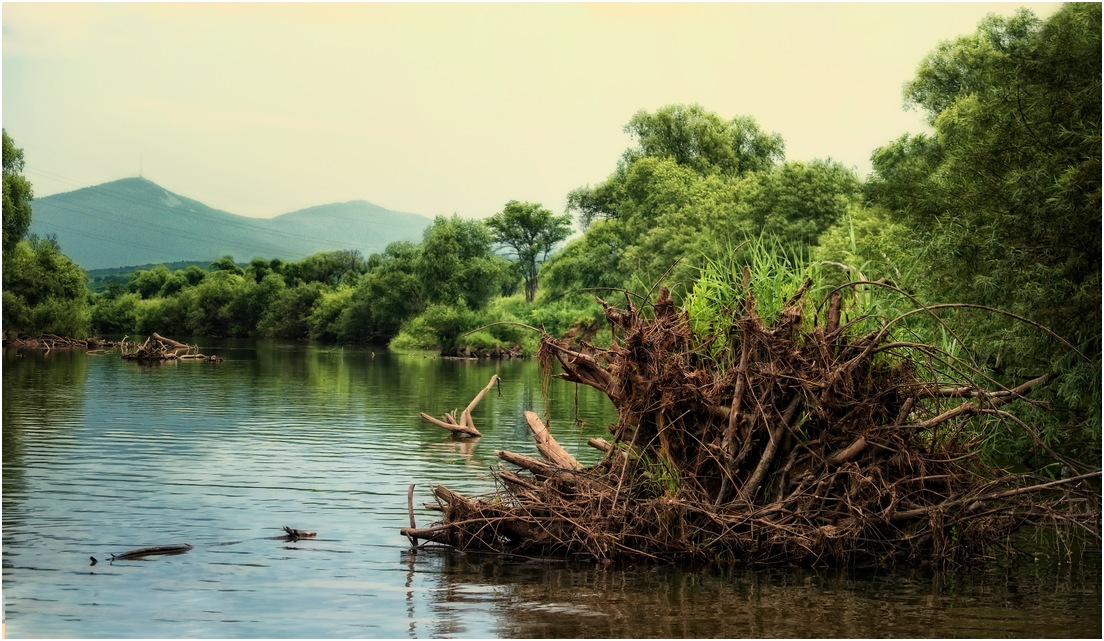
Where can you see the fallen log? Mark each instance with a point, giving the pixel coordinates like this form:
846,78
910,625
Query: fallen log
170,342
534,465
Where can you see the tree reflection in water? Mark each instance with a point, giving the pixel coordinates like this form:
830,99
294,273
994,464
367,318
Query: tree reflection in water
529,598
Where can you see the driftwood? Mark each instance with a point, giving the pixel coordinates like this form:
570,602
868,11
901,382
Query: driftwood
547,445
157,348
790,442
51,342
465,427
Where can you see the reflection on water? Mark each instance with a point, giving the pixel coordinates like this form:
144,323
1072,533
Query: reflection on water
101,456
556,600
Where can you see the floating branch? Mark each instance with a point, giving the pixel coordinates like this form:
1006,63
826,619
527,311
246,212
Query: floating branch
547,445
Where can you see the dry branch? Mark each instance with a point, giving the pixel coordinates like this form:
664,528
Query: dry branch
158,348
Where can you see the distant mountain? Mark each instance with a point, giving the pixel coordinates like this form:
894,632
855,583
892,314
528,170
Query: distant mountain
134,221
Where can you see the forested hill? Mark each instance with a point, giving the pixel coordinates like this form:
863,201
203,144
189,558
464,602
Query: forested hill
134,221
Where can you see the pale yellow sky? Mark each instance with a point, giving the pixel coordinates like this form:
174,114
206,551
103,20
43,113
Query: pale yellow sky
261,109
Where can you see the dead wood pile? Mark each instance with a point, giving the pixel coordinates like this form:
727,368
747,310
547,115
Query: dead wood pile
768,444
159,348
50,342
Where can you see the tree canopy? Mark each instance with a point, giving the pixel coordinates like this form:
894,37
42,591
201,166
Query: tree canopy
703,141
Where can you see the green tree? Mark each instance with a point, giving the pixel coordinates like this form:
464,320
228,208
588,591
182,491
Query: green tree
288,313
258,268
386,297
148,283
456,265
183,278
209,307
588,262
115,314
797,201
530,232
325,318
44,291
333,268
1004,195
226,264
17,197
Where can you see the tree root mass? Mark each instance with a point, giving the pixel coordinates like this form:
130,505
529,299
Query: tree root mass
769,444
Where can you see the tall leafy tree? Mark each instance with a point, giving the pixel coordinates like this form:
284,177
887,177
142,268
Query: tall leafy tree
385,297
456,265
1004,196
329,268
530,232
797,201
44,291
17,196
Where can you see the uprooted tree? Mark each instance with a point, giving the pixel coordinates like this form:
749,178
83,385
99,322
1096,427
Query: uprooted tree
802,440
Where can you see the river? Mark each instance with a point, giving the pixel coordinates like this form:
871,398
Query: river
101,456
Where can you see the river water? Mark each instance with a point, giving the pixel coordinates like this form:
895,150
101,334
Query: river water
101,456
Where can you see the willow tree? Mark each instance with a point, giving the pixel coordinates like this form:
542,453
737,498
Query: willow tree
1004,195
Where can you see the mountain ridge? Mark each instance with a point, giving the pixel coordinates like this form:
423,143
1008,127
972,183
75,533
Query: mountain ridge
134,221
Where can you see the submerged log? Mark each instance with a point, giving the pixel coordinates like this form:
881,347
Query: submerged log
296,534
179,548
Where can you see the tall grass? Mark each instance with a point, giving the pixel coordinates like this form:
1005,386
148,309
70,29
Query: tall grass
719,296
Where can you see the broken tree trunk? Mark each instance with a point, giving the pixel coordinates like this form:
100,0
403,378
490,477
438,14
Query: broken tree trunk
548,447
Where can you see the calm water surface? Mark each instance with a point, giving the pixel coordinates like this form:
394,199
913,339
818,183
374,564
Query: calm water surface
101,456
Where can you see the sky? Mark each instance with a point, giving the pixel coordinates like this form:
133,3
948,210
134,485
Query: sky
261,109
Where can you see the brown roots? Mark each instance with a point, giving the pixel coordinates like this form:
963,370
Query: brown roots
768,445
